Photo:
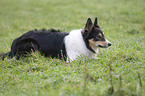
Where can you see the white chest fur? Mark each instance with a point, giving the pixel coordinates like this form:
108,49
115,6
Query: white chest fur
75,45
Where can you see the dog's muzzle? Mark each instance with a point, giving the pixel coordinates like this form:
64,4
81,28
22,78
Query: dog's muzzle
107,44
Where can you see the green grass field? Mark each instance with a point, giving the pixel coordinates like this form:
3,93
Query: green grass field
119,71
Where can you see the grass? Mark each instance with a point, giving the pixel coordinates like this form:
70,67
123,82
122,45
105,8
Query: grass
120,71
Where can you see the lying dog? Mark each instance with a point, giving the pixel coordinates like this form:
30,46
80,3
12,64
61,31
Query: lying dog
62,45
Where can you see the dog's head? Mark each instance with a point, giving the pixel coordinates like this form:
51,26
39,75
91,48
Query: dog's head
93,35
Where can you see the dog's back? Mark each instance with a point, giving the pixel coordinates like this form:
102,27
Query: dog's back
48,42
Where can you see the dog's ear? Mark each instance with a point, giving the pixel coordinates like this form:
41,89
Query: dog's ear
88,24
96,23
87,28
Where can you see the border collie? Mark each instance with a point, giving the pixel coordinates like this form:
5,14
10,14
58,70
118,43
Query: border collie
62,45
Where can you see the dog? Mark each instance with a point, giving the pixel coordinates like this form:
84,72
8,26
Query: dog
62,45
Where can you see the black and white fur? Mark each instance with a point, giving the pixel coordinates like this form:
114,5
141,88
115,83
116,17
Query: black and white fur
62,45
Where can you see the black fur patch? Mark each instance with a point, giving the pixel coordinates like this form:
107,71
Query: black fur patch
48,42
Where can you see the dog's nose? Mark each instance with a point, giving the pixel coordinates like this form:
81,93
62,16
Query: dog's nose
109,44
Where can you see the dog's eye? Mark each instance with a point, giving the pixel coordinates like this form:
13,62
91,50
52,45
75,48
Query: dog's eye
99,37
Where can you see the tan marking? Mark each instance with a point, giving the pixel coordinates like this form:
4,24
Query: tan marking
94,44
100,34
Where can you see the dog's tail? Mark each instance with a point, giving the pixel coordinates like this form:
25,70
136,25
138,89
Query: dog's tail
3,55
